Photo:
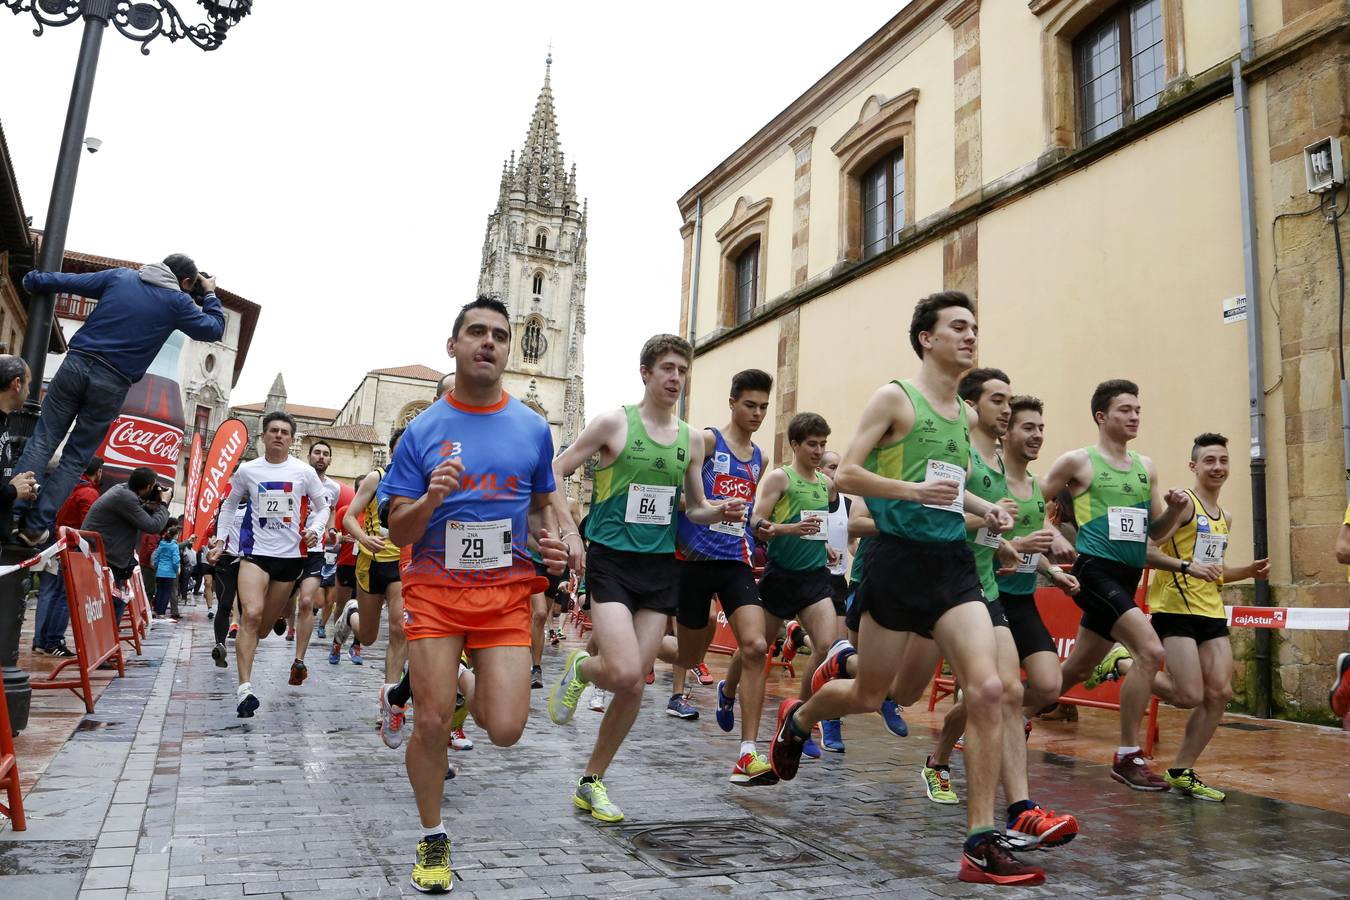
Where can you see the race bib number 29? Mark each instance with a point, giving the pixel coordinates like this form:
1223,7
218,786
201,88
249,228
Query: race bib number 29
478,545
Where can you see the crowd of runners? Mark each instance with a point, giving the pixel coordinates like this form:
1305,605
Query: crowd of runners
925,539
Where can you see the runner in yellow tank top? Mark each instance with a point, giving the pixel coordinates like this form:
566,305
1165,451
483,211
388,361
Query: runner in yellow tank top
1119,506
1190,569
646,462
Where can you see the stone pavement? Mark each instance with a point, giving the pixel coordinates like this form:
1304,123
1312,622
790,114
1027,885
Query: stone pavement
163,792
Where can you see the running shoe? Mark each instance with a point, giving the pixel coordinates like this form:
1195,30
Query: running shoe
210,615
592,797
218,654
562,702
432,873
1189,784
1339,698
290,632
753,768
234,629
1132,771
960,745
536,677
651,677
796,637
60,651
298,673
323,633
726,709
354,654
991,862
785,754
1037,827
279,627
597,700
342,629
248,703
554,636
1106,669
701,672
458,740
832,735
335,653
810,749
937,784
680,707
391,719
834,666
1026,728
895,722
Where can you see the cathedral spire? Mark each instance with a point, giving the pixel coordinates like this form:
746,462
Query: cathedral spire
541,167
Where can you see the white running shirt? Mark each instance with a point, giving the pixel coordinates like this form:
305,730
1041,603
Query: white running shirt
273,492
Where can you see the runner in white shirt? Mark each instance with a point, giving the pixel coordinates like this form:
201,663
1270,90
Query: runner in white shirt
270,539
320,455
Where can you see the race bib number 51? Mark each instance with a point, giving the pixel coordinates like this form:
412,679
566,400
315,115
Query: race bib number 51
478,545
649,504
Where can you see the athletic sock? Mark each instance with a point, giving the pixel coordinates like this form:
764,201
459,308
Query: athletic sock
1176,773
1122,752
977,836
434,830
936,765
1016,809
401,693
245,688
747,747
796,729
590,779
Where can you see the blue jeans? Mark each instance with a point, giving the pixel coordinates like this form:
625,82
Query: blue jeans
53,613
166,595
89,394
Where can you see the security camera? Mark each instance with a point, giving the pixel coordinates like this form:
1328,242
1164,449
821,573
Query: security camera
92,144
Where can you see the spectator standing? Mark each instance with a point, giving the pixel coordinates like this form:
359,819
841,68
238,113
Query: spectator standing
14,378
53,614
136,313
167,562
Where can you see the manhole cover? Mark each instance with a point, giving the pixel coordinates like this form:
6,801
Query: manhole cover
716,847
1246,726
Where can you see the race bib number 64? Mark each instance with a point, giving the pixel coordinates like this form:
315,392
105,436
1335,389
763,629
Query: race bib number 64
649,504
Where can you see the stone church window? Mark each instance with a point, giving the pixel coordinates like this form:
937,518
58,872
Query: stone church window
538,283
541,239
533,344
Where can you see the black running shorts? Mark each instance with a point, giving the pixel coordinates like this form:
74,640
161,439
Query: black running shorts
375,577
785,593
853,610
909,585
730,581
637,580
279,568
997,614
313,567
555,582
1106,592
1028,631
346,576
1197,628
839,592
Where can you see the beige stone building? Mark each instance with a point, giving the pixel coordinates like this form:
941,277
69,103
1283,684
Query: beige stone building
1076,166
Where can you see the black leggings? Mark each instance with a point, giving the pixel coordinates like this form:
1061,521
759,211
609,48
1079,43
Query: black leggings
227,579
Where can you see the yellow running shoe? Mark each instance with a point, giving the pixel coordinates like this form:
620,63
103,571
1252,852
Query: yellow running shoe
753,768
432,873
592,796
1189,784
562,701
937,784
1106,669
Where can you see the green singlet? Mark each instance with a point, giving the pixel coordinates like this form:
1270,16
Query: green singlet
933,439
1114,512
1030,516
789,552
988,484
634,498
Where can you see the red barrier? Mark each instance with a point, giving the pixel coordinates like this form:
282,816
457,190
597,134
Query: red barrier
131,628
9,772
1062,617
91,614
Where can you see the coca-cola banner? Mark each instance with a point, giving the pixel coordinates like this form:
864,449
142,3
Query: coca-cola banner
134,441
193,481
226,450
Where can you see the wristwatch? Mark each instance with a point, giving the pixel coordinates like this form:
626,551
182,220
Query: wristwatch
1185,566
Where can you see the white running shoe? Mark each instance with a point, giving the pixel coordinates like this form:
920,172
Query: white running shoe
458,741
597,700
391,719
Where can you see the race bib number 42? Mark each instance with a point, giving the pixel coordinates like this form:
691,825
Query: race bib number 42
649,504
1209,548
1128,523
478,545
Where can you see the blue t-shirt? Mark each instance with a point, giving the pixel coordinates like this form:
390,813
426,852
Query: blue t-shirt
478,536
724,476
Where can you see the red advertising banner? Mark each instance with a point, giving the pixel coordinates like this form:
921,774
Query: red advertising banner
193,481
226,450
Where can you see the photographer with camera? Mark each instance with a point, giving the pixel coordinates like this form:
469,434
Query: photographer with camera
120,517
137,311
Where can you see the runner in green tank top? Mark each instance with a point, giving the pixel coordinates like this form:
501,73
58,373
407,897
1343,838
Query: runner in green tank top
1119,507
647,462
796,581
988,393
908,459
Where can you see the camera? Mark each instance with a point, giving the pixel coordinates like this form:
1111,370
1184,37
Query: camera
199,289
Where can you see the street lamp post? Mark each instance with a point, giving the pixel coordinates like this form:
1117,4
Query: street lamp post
142,22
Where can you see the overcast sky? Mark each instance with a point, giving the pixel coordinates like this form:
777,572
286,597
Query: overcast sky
335,161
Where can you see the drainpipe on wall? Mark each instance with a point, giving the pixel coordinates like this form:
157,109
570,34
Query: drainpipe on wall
693,290
1255,368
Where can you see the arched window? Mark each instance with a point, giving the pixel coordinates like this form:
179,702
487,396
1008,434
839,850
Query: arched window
410,412
538,287
541,239
533,344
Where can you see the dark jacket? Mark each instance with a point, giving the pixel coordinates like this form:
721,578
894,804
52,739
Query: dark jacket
7,493
119,518
136,313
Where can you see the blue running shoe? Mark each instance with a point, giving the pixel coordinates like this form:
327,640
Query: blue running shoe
832,736
810,749
354,652
335,654
895,723
726,709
